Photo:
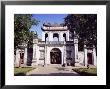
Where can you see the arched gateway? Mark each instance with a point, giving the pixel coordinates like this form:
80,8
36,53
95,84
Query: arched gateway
57,47
55,56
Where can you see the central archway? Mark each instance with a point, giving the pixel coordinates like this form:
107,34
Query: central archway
55,56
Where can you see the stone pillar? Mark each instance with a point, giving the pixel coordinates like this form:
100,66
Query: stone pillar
35,51
85,55
34,60
61,36
67,36
45,60
43,36
76,50
17,58
50,36
64,57
25,56
94,56
72,56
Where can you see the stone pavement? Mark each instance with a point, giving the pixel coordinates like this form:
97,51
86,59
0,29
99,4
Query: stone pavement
52,70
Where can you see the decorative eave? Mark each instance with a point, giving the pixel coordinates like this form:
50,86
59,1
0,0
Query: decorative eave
53,25
44,28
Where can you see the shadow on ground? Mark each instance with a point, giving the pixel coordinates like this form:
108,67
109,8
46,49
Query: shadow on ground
62,69
19,74
55,74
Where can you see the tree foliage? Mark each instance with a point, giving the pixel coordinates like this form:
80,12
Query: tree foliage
22,24
85,26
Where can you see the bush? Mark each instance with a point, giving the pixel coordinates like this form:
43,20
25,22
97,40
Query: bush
86,71
22,71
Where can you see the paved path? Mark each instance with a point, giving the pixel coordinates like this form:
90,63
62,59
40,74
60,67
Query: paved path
52,70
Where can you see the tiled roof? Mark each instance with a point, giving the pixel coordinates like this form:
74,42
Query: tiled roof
53,25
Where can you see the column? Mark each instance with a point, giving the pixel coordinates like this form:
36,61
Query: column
64,54
76,49
43,36
72,55
67,35
94,56
17,58
37,55
85,55
50,36
61,36
35,52
62,57
34,60
45,60
25,56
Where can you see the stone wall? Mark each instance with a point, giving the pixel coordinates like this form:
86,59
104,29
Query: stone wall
81,57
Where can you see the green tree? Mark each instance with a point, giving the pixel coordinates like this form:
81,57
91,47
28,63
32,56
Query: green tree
85,27
22,24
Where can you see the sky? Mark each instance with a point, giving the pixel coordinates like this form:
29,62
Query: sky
46,18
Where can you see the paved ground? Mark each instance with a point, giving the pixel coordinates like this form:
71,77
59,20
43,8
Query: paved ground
52,70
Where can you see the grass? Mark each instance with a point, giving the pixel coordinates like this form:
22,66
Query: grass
22,71
86,71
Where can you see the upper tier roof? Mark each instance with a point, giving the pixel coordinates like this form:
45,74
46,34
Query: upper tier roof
53,27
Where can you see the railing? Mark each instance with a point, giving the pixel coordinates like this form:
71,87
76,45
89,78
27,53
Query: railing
69,42
55,42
